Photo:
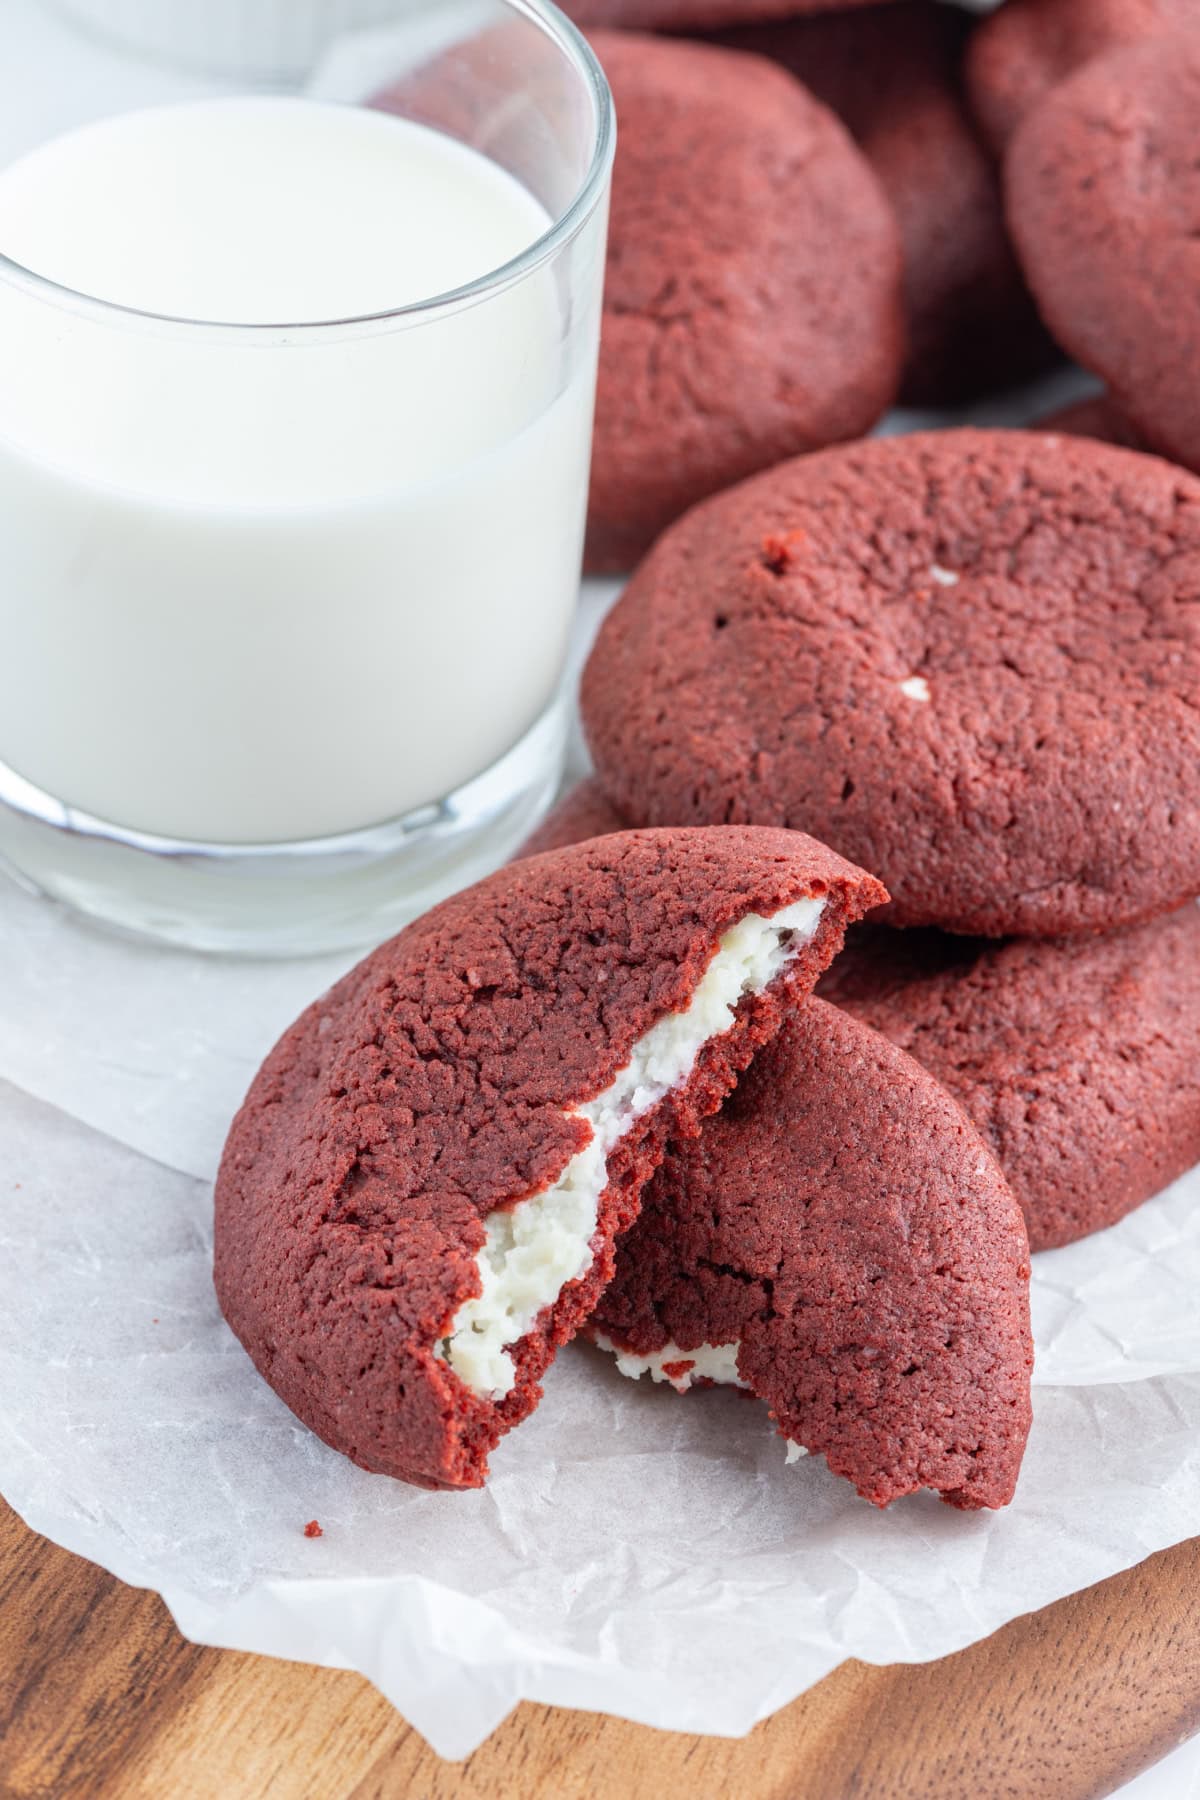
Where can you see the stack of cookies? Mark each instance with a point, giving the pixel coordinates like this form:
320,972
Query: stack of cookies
632,1085
971,661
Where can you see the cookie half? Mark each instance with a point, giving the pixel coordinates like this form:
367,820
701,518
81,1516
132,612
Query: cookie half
1078,1061
418,1200
840,1242
967,659
752,304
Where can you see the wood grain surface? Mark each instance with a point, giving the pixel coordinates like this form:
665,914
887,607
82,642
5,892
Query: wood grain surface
100,1698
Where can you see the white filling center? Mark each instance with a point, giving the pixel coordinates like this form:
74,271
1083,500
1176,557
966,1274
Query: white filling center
708,1362
536,1247
711,1362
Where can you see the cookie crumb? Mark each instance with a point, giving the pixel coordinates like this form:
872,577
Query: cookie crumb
313,1529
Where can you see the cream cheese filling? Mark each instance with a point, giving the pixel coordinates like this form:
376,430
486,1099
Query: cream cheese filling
535,1248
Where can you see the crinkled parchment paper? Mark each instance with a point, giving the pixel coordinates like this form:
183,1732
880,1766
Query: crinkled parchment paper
634,1552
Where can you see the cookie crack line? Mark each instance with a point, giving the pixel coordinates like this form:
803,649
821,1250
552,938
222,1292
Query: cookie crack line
537,1246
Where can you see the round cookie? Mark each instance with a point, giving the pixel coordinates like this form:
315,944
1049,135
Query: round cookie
1103,197
967,659
842,1240
418,1199
1026,48
752,306
1078,1061
893,76
583,813
695,15
1100,417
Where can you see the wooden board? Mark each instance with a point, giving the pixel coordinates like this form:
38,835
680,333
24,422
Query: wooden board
101,1699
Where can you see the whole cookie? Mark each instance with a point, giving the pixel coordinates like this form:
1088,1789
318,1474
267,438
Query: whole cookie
1079,1061
840,1240
1103,197
695,15
1022,52
418,1200
752,305
893,76
967,659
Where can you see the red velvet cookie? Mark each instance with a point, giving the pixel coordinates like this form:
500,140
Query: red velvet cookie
893,76
967,659
1104,197
1026,48
841,1233
752,305
418,1200
1079,1061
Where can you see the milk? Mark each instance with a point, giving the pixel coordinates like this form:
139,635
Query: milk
272,584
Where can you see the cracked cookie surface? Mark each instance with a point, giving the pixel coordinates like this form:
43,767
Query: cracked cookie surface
439,1083
753,296
970,660
842,1222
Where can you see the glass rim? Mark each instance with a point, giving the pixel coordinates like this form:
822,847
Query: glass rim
570,220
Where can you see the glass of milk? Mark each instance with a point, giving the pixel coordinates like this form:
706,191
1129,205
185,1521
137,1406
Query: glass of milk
295,416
